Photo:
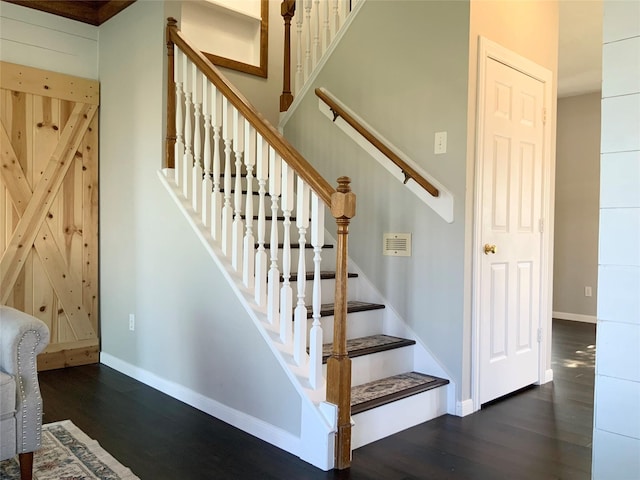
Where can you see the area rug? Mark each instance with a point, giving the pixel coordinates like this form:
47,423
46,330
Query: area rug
68,453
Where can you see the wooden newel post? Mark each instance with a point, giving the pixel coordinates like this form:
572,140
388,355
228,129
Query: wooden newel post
287,10
171,98
343,209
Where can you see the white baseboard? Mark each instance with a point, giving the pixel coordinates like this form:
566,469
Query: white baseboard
575,317
464,408
254,426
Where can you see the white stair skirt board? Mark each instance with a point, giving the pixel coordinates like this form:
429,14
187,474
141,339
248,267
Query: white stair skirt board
442,204
396,416
574,317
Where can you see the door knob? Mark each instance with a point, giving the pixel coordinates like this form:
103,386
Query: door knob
489,249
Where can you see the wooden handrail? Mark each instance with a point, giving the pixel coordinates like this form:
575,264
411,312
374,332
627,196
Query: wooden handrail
407,170
341,201
303,168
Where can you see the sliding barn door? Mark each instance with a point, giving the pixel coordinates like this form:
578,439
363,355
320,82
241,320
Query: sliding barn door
49,207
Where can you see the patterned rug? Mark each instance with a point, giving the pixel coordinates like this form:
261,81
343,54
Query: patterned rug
67,453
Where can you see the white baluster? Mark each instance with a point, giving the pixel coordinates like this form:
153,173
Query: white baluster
248,260
299,46
179,146
196,200
286,293
227,211
309,34
326,37
238,224
273,281
317,53
207,184
262,173
345,10
315,336
300,320
216,194
187,160
336,17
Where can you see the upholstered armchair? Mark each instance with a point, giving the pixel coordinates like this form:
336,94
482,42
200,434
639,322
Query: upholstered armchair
22,338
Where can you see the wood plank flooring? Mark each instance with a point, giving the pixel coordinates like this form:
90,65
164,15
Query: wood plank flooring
538,433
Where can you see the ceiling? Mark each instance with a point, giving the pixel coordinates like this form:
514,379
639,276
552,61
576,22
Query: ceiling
579,45
93,12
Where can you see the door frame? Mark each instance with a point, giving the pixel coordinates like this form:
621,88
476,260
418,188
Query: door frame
489,50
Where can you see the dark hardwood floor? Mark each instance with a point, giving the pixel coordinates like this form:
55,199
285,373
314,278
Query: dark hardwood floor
538,433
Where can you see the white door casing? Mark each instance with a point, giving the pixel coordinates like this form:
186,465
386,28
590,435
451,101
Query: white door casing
510,295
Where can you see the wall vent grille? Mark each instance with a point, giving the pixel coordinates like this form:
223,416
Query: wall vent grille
396,244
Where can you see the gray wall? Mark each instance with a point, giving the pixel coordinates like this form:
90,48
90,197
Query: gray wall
407,89
577,207
191,331
616,433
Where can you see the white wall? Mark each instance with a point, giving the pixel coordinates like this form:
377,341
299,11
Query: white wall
191,335
40,40
577,207
616,433
407,89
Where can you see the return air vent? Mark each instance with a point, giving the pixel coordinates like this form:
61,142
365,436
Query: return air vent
396,244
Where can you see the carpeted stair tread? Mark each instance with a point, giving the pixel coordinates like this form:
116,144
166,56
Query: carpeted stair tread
328,309
324,275
380,392
357,347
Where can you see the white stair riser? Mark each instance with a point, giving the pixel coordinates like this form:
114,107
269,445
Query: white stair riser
327,290
359,324
396,416
368,368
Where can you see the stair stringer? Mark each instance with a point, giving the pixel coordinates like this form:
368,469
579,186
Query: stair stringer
393,324
318,421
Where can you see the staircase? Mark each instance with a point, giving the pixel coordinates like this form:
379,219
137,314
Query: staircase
230,164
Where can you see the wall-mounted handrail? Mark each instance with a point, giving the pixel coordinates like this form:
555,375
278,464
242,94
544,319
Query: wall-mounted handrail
234,130
409,172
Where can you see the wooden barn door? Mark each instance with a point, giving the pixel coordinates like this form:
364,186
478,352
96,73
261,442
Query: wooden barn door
49,207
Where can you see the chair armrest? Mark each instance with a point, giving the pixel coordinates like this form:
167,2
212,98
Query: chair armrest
22,338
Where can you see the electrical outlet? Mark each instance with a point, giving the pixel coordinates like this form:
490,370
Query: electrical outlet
132,322
587,291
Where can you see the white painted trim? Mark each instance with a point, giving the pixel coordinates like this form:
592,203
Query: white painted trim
488,49
254,426
284,118
442,204
464,408
575,317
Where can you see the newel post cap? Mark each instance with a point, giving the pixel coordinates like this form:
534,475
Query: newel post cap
343,201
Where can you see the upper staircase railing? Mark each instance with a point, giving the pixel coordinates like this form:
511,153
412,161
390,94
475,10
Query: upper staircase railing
317,24
218,146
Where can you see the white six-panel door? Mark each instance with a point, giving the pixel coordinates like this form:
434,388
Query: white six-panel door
510,230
